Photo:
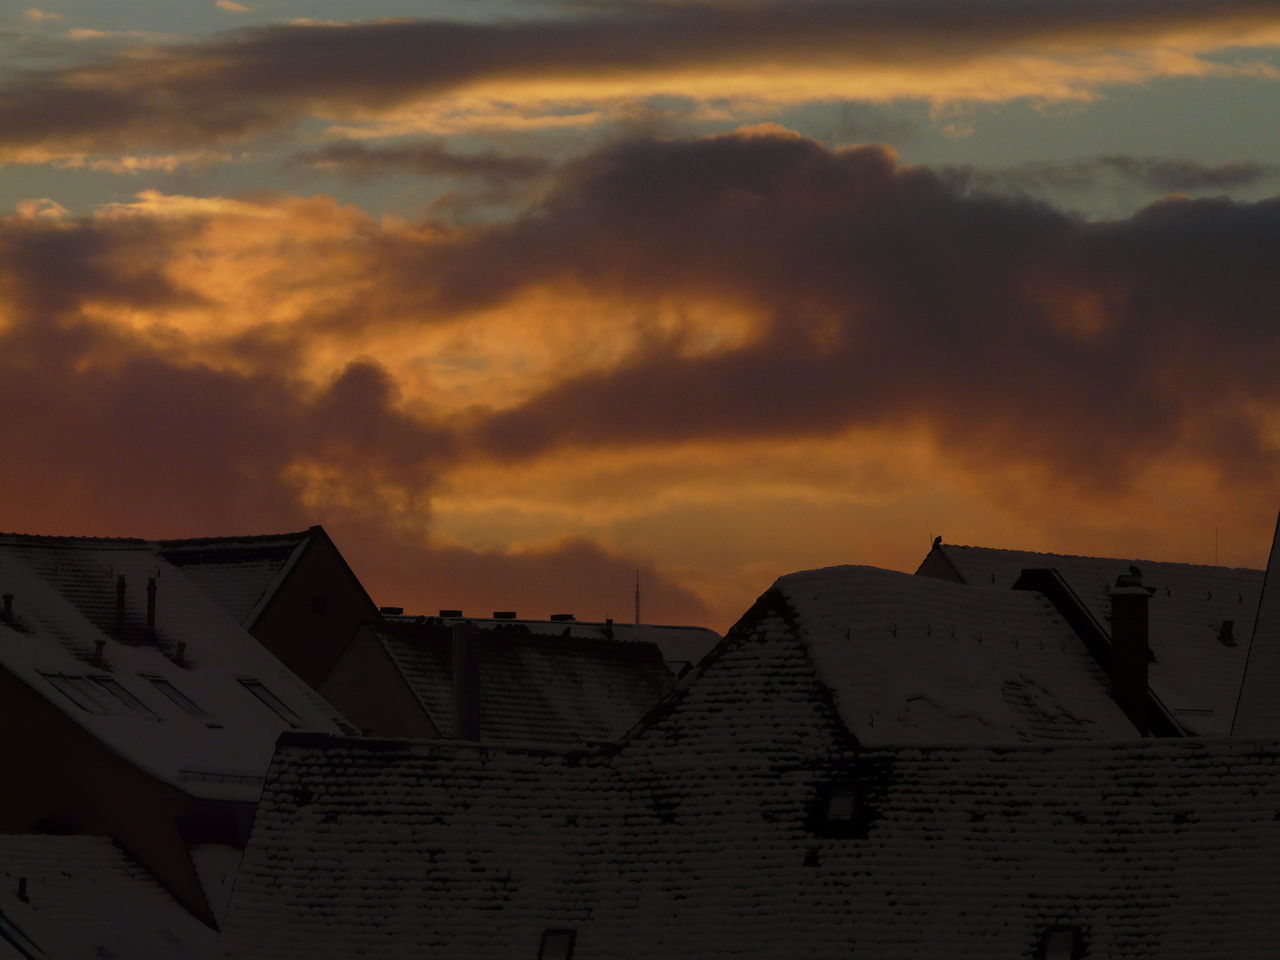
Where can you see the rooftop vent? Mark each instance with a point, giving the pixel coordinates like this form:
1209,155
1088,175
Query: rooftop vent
8,608
559,617
504,614
392,611
450,613
1227,633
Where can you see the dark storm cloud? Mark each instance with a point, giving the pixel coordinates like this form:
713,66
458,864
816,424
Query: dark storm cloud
887,296
109,432
431,159
1167,175
260,79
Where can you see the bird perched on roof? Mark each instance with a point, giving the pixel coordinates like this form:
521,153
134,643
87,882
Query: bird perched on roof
937,542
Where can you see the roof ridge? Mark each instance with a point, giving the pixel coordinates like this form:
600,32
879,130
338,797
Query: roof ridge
1082,556
249,538
50,538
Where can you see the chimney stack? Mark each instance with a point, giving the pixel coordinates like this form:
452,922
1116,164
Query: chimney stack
1130,650
151,608
466,683
120,590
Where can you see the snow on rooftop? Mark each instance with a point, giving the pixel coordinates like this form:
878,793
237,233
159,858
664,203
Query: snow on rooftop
533,687
198,705
82,898
1258,710
679,644
1195,673
913,660
239,573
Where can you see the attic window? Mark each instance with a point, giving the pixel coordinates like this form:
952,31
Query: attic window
557,944
1061,943
80,691
101,695
839,811
271,701
177,696
125,697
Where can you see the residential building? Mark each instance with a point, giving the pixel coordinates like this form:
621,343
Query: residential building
870,764
132,706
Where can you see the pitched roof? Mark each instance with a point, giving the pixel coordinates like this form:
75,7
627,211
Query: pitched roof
1257,711
238,573
1154,849
533,686
193,723
916,660
696,834
85,900
679,644
1195,674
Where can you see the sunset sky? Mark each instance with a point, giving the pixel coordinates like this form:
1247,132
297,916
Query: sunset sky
517,298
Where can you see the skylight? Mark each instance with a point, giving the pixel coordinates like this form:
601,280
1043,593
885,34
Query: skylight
178,697
271,701
12,935
557,944
101,695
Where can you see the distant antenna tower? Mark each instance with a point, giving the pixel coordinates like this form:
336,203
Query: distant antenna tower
637,598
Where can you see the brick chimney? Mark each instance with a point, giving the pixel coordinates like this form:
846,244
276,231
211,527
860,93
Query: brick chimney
466,683
1130,651
120,594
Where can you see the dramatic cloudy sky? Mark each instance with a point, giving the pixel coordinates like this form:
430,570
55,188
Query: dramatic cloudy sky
520,298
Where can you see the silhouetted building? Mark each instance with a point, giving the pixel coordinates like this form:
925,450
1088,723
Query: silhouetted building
870,764
134,707
83,898
407,677
1200,621
293,591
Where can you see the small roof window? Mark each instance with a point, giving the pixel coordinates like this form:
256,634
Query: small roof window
271,701
178,697
12,934
839,811
101,695
557,944
1061,943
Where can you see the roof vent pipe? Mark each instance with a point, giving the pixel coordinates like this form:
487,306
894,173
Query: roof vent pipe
1130,650
97,659
466,683
151,607
8,607
180,654
120,591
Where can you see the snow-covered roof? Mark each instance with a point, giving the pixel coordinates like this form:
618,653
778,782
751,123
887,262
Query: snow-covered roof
533,686
82,898
1257,711
916,660
239,573
1195,674
199,704
680,645
702,832
1153,849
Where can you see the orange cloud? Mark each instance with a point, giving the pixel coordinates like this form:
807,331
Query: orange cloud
713,358
414,75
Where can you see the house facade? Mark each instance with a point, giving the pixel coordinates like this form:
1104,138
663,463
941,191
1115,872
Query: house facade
801,793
